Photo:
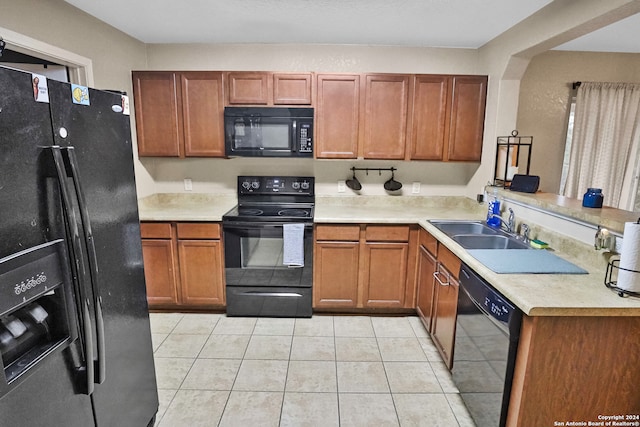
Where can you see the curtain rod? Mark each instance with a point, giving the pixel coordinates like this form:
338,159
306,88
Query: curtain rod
576,85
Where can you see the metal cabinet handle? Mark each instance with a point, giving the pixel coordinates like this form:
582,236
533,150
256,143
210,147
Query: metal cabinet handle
436,275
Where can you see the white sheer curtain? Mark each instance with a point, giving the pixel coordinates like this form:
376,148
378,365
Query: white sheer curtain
606,126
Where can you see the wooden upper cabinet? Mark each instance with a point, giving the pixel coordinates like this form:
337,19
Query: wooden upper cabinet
385,116
158,118
248,88
267,88
430,111
203,113
292,89
179,114
466,125
337,116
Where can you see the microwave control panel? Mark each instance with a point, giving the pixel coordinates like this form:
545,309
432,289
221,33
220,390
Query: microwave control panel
306,137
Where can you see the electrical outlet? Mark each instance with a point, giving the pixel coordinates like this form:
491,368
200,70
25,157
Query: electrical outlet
188,185
342,187
416,188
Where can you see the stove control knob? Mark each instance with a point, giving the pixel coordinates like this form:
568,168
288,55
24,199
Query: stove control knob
246,185
255,185
305,185
296,185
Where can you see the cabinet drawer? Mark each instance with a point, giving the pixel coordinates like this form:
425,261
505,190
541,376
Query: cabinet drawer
387,233
338,232
449,260
429,242
198,230
155,230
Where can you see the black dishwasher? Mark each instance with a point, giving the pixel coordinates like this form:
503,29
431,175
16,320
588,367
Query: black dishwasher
487,333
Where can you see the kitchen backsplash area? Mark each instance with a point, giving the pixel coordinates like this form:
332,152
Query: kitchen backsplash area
218,176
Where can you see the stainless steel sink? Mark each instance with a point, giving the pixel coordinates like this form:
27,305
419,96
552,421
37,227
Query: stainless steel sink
483,241
453,228
478,235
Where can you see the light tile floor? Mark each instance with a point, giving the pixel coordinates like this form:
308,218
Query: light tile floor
358,371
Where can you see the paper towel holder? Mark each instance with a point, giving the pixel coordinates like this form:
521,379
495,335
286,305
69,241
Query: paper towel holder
612,267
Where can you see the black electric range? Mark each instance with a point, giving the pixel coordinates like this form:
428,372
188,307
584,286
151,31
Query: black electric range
268,239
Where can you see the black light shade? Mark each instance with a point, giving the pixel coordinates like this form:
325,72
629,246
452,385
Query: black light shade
353,183
392,184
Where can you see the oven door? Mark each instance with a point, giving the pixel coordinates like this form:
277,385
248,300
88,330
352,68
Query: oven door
258,282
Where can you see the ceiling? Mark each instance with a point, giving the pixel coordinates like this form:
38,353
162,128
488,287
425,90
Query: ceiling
427,23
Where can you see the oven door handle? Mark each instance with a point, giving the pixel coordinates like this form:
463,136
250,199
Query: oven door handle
271,294
258,225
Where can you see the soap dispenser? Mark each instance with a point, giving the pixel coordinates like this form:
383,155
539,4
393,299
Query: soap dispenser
493,211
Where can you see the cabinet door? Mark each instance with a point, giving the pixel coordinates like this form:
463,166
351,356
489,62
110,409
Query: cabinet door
248,88
337,116
160,272
157,100
292,89
428,125
335,274
466,124
201,272
426,285
203,113
446,309
385,116
385,268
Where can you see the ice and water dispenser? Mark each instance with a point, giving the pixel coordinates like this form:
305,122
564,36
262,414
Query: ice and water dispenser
36,307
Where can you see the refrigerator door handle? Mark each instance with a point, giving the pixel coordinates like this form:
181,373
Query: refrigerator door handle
93,264
89,370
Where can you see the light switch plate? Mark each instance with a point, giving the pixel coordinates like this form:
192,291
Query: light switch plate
416,188
188,185
342,187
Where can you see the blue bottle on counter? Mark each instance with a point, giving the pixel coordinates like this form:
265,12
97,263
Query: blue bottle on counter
593,198
493,209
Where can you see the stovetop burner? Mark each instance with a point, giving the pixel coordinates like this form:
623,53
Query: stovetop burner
299,213
251,212
273,198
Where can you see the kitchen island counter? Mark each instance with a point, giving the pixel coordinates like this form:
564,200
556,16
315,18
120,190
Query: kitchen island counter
535,294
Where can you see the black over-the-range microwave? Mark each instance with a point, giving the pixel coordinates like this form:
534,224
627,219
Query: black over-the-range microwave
268,132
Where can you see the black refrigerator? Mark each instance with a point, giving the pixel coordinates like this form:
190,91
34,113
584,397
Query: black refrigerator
75,338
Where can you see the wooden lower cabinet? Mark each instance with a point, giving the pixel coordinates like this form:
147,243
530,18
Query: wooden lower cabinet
443,329
364,266
200,272
160,272
576,369
336,274
438,287
385,269
183,264
427,265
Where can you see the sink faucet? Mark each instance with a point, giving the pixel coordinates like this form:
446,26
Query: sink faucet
524,232
510,224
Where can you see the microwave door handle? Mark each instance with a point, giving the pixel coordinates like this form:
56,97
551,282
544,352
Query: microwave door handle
93,265
88,370
294,135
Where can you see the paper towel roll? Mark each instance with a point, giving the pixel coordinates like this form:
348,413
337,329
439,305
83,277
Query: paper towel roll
630,258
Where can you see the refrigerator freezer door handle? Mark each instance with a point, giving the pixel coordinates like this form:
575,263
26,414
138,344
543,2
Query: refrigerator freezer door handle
93,264
89,370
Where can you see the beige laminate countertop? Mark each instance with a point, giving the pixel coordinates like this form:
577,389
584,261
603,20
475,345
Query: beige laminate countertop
185,207
534,294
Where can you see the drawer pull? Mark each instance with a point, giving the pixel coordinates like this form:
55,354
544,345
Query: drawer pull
436,275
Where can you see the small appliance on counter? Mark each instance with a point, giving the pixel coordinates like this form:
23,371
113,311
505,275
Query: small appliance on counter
268,244
593,198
